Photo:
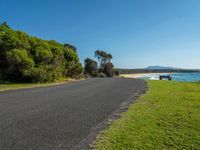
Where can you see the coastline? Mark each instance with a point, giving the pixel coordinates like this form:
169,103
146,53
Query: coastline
139,75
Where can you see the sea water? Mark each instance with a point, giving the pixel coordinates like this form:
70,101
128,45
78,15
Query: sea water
185,77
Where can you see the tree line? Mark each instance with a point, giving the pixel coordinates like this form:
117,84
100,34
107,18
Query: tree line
103,68
24,58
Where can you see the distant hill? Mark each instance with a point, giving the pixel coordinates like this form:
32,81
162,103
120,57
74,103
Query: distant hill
173,70
158,67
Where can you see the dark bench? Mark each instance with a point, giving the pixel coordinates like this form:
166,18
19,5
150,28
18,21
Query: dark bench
168,77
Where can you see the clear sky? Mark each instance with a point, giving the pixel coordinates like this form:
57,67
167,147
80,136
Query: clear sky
138,33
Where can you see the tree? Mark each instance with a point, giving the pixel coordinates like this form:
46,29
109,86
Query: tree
108,69
18,62
66,45
90,67
109,56
5,24
74,70
73,67
27,58
97,54
43,54
103,58
70,55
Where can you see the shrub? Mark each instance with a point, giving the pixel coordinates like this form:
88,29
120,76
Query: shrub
101,75
18,61
73,70
91,67
108,69
27,58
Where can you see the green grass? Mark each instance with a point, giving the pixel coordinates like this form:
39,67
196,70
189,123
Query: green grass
166,117
13,86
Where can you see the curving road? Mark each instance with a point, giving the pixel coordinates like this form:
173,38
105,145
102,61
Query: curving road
60,117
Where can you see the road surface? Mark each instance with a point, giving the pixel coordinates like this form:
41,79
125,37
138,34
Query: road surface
60,117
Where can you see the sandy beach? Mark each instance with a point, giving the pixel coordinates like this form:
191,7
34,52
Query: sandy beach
139,75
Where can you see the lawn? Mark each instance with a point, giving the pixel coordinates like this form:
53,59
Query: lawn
13,86
166,117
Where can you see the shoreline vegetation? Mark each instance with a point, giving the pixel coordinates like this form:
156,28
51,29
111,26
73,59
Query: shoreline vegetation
28,59
25,58
166,117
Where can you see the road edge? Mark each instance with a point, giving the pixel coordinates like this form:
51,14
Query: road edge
89,141
38,85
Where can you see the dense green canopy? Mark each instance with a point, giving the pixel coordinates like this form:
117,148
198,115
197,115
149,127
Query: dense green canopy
31,59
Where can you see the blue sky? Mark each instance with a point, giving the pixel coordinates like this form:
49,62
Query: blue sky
138,33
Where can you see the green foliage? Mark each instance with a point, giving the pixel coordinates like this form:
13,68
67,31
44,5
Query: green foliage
19,58
66,45
105,65
18,62
103,58
71,55
74,70
91,67
43,54
31,59
108,69
167,117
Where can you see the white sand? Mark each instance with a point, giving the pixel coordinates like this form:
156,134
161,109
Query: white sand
139,75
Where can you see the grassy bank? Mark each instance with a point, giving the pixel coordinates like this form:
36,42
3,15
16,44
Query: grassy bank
167,117
14,86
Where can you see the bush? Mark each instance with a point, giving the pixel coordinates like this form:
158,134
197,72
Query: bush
101,75
91,67
27,58
18,61
108,69
74,70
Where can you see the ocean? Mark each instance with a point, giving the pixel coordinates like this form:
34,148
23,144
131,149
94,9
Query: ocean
184,77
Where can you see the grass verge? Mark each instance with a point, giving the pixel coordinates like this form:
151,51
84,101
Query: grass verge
167,117
13,86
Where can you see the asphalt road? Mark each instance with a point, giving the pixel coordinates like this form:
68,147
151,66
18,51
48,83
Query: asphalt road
60,117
